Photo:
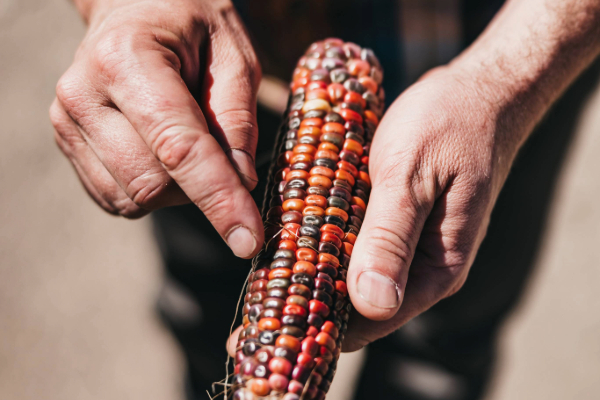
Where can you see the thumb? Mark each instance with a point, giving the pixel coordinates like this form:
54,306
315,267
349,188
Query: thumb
385,248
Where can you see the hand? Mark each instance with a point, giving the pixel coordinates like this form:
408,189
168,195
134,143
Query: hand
127,117
443,151
437,163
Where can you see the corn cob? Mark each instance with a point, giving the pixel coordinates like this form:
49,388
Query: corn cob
296,307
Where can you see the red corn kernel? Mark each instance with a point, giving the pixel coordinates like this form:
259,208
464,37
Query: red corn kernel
306,267
370,116
369,83
353,146
347,248
346,166
280,365
287,245
290,231
293,309
313,210
318,307
298,83
303,157
336,92
300,73
345,176
341,287
309,131
324,171
318,93
288,341
278,382
269,324
334,127
359,202
359,67
337,212
312,331
306,254
327,154
316,200
331,238
310,346
300,373
328,258
318,122
324,339
316,85
293,204
320,180
351,115
350,237
363,176
327,146
326,354
333,229
280,273
305,360
331,329
353,97
295,387
296,174
304,148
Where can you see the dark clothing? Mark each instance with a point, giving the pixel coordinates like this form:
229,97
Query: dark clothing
452,345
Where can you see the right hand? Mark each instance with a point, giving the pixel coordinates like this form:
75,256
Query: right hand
126,117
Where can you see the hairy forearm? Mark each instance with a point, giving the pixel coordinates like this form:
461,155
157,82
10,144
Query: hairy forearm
529,54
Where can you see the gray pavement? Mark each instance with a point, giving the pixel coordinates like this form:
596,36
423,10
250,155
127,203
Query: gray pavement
77,286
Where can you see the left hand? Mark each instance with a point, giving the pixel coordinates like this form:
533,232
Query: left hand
437,163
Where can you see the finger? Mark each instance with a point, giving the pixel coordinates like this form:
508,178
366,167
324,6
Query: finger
97,181
228,97
155,100
232,341
447,246
126,156
385,247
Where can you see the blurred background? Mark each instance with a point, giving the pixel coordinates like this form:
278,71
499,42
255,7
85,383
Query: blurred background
78,287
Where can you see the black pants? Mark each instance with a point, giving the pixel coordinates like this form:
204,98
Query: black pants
446,353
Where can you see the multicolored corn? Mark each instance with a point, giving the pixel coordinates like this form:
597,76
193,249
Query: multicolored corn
296,306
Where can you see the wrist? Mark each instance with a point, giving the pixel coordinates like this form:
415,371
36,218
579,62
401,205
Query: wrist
527,57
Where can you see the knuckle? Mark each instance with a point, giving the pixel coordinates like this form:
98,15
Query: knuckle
173,146
71,91
146,189
390,245
242,122
128,209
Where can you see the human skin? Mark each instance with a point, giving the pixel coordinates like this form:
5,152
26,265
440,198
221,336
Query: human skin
438,160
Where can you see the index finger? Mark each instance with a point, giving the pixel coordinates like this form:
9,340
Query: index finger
154,98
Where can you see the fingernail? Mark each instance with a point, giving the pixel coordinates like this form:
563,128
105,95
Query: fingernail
378,290
241,241
244,165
